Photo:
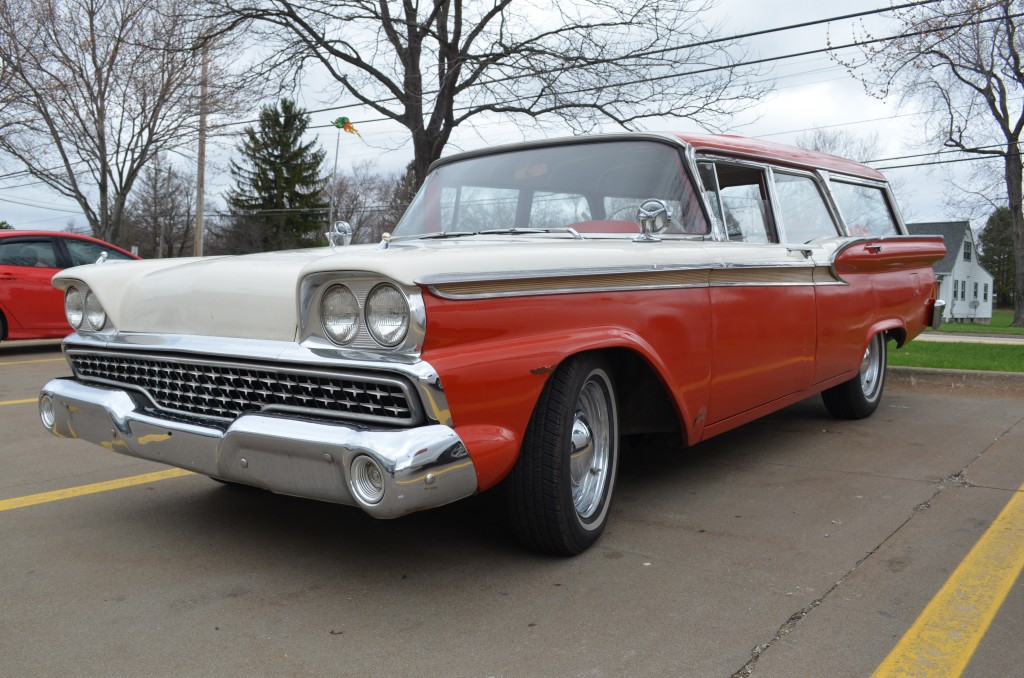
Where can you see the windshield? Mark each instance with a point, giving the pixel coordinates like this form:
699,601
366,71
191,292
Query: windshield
591,187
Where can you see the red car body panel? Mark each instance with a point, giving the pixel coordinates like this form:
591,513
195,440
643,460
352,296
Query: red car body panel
30,306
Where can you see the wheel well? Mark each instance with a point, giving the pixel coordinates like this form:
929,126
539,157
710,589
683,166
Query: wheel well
3,326
897,334
645,405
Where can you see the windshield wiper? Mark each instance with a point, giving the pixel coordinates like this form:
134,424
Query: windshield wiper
444,234
501,231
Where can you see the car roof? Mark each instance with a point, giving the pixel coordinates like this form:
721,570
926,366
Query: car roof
723,144
758,149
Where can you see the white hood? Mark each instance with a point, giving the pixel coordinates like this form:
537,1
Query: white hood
255,296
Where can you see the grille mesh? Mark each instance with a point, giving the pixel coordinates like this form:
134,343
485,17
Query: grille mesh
221,390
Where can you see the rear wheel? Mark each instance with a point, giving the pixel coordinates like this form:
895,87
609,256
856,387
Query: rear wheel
859,397
560,489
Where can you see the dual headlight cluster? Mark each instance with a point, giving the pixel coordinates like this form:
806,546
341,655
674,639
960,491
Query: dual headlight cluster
83,310
385,314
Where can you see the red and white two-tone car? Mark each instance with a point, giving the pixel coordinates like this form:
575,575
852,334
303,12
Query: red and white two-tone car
535,304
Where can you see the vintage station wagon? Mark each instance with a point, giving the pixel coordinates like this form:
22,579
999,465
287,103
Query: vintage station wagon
536,304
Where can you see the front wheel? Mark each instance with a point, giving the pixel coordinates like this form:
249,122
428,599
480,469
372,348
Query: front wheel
859,397
560,489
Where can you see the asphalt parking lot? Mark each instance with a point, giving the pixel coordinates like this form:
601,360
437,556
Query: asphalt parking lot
795,546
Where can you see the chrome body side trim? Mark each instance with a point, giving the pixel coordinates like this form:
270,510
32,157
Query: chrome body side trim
528,283
422,467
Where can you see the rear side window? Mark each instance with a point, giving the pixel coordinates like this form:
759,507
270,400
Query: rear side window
864,208
30,253
86,252
802,209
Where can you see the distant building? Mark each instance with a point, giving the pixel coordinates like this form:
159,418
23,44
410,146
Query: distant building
964,285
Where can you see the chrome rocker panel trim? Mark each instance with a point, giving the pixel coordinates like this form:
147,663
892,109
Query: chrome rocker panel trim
424,467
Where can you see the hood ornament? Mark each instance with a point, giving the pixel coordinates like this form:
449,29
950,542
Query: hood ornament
340,235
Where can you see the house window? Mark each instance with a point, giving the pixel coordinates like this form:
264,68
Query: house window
956,289
975,290
967,251
985,297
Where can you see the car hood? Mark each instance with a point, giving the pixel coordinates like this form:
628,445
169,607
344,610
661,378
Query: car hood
255,296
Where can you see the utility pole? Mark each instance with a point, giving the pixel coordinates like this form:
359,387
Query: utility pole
201,159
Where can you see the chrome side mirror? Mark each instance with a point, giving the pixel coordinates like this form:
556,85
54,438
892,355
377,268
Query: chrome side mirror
654,216
102,258
340,235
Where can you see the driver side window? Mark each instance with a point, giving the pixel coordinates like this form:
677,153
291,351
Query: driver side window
739,198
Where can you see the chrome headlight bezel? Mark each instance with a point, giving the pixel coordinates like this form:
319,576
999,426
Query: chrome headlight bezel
84,311
313,334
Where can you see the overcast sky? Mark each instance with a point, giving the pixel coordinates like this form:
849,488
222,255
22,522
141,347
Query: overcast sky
810,92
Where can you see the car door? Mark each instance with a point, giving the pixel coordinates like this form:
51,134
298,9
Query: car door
762,295
33,307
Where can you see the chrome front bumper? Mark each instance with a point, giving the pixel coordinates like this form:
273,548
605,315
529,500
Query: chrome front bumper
421,467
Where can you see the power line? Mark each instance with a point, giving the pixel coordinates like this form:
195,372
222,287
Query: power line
664,50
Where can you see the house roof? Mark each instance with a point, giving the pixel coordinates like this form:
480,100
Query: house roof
953,234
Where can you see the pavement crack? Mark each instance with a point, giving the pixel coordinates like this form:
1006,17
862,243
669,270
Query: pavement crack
958,479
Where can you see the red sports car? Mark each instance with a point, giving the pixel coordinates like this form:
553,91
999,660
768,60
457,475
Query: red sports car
30,307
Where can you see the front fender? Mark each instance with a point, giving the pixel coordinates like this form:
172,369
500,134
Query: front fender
494,369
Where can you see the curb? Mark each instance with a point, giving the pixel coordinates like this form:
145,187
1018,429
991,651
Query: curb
1002,383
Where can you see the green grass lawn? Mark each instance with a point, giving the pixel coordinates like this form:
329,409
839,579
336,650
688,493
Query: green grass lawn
1001,319
959,356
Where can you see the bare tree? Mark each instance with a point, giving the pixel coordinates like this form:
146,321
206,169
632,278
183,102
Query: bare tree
963,58
842,143
370,200
96,89
160,215
433,66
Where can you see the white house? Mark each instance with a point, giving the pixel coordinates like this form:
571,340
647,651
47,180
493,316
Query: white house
964,285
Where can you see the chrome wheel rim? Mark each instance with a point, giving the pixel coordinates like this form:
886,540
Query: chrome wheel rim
871,368
590,448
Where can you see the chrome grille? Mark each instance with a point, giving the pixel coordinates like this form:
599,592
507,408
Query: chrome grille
214,389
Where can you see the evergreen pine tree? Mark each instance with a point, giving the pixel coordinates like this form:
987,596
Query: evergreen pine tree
996,244
277,202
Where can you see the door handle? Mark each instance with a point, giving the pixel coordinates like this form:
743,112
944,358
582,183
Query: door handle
7,276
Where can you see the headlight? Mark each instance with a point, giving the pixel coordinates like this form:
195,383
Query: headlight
74,307
339,312
387,315
94,313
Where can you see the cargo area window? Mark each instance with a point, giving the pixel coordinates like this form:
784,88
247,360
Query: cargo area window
864,208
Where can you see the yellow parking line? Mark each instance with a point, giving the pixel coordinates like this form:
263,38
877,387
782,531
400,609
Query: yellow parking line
945,636
81,490
19,402
25,362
